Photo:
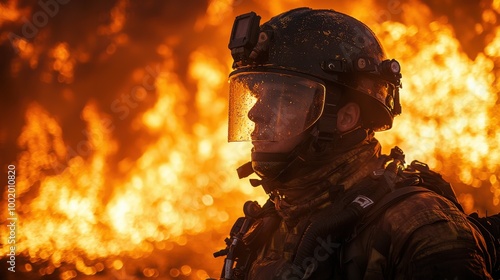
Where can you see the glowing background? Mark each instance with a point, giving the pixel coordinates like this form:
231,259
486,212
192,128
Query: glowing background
114,113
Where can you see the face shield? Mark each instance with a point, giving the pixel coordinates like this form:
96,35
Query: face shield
267,106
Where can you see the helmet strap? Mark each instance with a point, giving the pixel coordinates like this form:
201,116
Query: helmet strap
327,123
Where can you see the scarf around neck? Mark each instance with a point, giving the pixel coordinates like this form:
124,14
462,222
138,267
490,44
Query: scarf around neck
313,191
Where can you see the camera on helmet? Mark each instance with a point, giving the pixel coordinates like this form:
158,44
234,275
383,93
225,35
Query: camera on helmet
244,36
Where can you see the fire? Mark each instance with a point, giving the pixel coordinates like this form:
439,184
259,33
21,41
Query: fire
8,12
82,201
70,195
63,63
449,100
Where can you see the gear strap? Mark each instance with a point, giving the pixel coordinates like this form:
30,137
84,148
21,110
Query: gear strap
327,123
387,201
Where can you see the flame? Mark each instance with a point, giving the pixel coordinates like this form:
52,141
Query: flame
182,185
69,196
117,19
8,12
448,99
218,10
63,63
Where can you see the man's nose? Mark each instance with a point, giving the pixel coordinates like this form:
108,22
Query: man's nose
259,113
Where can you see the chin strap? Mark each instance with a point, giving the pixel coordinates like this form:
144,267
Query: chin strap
350,138
327,123
245,170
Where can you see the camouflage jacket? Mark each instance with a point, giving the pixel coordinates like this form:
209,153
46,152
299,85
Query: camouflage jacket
423,236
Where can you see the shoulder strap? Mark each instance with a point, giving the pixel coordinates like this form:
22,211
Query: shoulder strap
387,201
433,181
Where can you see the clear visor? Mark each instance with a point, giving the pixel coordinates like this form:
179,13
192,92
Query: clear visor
266,106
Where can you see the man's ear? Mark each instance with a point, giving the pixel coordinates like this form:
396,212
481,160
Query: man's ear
348,117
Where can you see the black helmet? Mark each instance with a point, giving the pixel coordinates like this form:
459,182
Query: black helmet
323,44
303,61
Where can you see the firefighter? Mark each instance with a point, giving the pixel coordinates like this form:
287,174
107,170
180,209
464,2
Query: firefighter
309,89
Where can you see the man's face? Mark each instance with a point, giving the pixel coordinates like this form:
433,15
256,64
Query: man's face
275,113
273,110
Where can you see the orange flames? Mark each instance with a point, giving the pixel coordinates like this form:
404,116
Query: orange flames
81,203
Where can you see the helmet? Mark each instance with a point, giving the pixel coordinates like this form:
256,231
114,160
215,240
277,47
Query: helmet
324,45
298,64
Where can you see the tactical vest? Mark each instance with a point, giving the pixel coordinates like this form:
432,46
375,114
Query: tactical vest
317,239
